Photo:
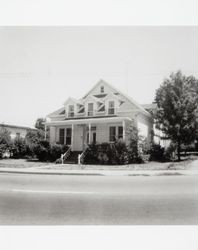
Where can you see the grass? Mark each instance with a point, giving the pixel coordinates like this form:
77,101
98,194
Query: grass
22,163
187,163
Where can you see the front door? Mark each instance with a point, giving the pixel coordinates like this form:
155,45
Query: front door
68,136
92,138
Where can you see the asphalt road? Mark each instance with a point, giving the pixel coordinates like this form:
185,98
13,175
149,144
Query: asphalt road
98,200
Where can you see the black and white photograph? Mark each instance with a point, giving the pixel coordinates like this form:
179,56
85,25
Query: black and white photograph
99,129
101,126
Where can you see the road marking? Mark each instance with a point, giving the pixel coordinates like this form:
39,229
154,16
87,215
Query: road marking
50,191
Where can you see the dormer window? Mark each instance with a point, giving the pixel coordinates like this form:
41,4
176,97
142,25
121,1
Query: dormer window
102,89
90,109
71,111
111,110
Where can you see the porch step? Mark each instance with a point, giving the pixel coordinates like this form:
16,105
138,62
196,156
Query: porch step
73,157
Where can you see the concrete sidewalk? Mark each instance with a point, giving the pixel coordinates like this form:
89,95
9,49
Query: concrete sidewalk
99,172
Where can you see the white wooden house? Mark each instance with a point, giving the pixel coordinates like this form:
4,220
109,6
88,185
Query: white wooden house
102,115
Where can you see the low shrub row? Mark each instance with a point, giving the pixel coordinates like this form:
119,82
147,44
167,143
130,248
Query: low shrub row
117,153
46,152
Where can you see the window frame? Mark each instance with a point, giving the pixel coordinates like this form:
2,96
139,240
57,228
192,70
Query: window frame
111,108
68,136
111,135
90,112
120,135
71,113
62,137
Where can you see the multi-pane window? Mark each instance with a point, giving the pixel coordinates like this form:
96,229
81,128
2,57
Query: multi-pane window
112,134
90,109
71,111
111,110
62,136
102,89
120,132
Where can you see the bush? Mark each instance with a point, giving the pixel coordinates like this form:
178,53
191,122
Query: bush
107,153
19,148
121,153
91,154
169,152
42,150
56,150
5,142
156,153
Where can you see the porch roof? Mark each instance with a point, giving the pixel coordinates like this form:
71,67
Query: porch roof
92,120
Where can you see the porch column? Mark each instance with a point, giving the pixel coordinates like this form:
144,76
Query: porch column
124,130
72,139
89,133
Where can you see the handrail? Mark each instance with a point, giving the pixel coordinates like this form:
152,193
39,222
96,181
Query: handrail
81,156
65,155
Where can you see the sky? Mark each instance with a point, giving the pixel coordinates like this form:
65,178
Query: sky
40,67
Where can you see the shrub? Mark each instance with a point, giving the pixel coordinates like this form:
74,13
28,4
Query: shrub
42,150
19,148
169,152
5,141
137,145
107,153
121,153
91,154
56,150
156,153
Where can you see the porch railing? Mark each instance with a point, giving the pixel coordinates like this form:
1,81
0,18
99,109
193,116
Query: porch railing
82,156
65,155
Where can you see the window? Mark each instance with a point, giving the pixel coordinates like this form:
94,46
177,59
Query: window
90,109
111,108
71,111
94,138
62,136
112,134
68,136
102,89
18,135
120,132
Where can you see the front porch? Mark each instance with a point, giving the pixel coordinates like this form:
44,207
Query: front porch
78,133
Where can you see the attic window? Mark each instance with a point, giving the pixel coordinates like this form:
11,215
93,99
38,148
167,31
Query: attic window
71,111
102,89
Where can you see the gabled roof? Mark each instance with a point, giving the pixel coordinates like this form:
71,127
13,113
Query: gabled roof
150,106
93,98
57,112
4,125
114,90
72,100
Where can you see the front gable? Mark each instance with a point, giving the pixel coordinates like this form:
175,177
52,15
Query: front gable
102,100
100,90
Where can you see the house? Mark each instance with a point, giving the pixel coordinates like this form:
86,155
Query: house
15,131
101,115
158,136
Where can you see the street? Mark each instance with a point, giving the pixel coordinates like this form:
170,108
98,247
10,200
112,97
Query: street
31,199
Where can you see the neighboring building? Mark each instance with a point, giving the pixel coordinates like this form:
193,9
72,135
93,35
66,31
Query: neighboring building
158,135
15,131
102,115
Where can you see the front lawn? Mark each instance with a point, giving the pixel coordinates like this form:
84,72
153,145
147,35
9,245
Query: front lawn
22,163
188,163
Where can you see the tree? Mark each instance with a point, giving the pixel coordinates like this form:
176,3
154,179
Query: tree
136,144
5,141
19,149
40,124
177,108
33,138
